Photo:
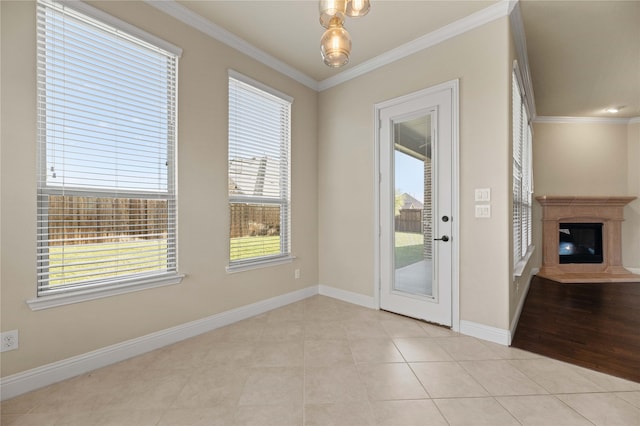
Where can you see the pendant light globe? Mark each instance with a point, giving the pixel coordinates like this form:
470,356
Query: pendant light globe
335,45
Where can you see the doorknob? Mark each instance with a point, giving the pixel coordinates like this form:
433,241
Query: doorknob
444,238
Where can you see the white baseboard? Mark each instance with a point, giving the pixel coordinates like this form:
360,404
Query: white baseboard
485,332
29,380
348,296
634,270
516,316
469,328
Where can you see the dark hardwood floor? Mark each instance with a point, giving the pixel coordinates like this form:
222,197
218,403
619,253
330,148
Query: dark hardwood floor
592,325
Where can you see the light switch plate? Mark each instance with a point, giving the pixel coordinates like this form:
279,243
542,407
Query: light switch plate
483,210
483,194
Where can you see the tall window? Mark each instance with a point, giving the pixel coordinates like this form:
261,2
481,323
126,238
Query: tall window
522,173
259,170
106,154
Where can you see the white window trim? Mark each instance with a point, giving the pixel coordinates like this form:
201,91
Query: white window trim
260,263
276,259
127,28
258,85
519,264
124,285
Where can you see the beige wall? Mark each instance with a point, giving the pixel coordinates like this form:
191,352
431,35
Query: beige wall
591,159
631,225
58,333
480,59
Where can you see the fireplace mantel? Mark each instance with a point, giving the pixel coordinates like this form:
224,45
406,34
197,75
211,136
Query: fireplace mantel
606,210
559,200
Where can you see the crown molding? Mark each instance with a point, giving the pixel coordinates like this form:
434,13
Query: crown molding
187,16
520,41
447,32
586,120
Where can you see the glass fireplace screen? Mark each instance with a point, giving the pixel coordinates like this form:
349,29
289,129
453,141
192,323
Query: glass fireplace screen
580,243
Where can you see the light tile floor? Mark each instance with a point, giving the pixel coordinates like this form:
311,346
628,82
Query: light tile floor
325,362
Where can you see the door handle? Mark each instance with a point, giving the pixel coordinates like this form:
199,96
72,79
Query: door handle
444,238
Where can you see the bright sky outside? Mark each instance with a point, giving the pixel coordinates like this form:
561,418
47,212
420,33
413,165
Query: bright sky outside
93,114
409,176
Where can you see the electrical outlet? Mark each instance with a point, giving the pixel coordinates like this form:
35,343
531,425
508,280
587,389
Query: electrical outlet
9,340
296,273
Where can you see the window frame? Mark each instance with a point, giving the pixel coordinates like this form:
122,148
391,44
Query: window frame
91,288
522,174
284,200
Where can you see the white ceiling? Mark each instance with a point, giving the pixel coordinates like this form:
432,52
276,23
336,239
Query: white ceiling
584,56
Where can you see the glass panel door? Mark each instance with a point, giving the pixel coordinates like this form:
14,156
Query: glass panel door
413,229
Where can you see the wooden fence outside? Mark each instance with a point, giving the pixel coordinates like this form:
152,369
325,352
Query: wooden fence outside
89,220
409,220
254,220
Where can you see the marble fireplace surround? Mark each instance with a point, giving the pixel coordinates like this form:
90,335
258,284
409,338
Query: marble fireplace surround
572,209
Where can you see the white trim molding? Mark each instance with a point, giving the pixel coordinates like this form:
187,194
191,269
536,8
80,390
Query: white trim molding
182,13
523,297
119,24
461,26
26,381
485,332
348,296
232,269
475,20
83,295
522,264
517,27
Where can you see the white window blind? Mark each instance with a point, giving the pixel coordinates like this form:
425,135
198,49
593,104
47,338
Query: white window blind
522,173
259,172
106,154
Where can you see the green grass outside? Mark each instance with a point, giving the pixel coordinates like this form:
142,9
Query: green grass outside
68,264
408,248
258,246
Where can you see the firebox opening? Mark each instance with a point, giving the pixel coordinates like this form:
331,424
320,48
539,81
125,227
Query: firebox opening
580,243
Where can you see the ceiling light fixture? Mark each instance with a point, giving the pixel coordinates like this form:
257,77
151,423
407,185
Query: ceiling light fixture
613,110
356,8
335,44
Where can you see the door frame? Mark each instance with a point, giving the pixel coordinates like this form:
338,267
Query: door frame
452,87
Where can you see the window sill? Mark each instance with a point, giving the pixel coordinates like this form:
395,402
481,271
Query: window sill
520,266
46,302
231,269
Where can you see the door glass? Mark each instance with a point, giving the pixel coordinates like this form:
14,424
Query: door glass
413,236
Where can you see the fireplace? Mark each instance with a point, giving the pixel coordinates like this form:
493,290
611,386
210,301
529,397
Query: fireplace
582,239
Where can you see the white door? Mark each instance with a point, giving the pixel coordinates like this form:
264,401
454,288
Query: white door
416,205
